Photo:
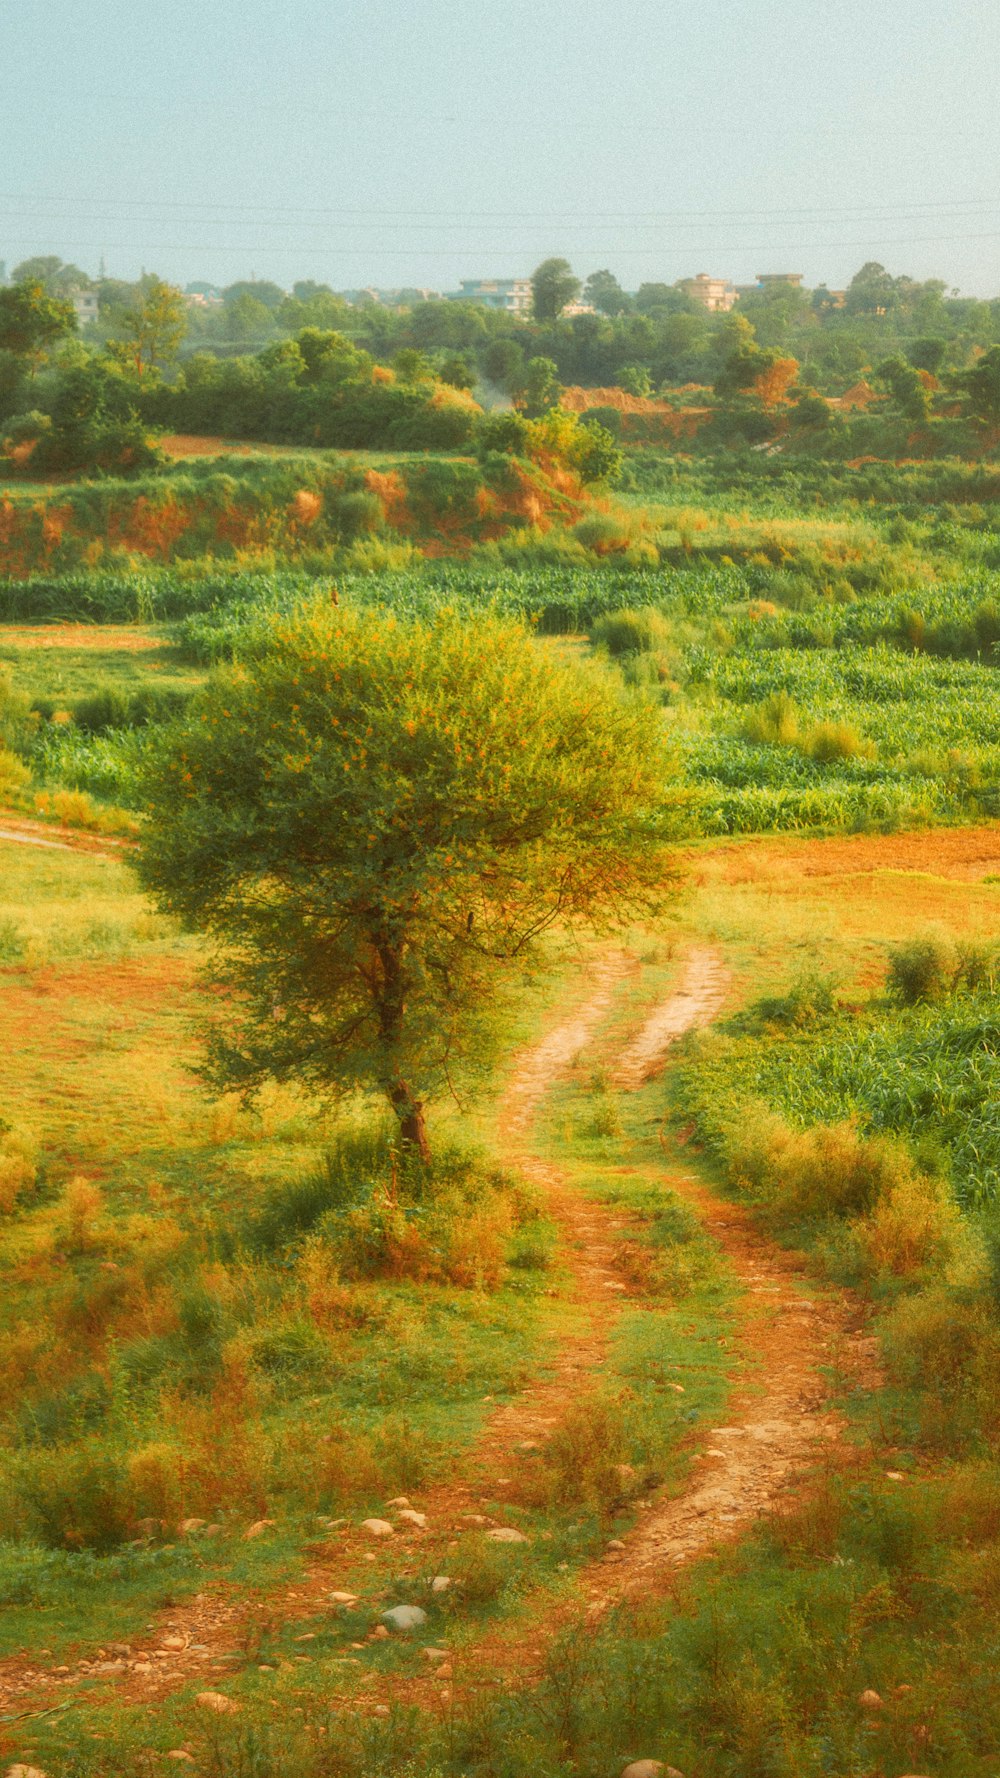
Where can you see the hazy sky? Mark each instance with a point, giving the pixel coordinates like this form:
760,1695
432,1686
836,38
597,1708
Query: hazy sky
418,142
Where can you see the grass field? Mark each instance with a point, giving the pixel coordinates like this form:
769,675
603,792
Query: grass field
261,1327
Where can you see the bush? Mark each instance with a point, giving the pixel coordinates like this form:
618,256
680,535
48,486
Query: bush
630,632
14,774
808,1000
924,969
77,1498
775,722
829,1170
506,432
830,741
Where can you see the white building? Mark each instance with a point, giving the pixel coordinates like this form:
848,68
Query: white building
513,295
85,306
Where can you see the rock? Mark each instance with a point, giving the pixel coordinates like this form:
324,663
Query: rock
506,1534
894,1475
404,1617
181,1753
434,1654
400,1503
212,1531
410,1517
444,1671
24,1772
645,1768
379,1634
218,1702
870,1700
147,1527
381,1710
474,1519
440,1583
377,1527
119,1648
173,1642
257,1529
615,1543
190,1527
344,1598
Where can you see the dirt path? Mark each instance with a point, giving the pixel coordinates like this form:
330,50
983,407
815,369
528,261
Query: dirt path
781,1419
802,1343
702,990
69,839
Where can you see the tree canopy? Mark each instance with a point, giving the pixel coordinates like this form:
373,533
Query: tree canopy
376,821
31,320
553,285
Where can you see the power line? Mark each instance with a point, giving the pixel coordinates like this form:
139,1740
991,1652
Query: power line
903,211
373,226
257,247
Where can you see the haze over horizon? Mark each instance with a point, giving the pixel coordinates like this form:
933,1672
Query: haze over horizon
420,144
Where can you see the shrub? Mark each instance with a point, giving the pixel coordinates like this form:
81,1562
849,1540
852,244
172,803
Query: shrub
913,1226
829,1170
13,945
630,632
775,722
480,1569
586,1461
77,1498
830,741
808,1000
924,969
18,1164
14,774
507,432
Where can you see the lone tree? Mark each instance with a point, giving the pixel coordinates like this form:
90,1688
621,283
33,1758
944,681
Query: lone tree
553,285
375,821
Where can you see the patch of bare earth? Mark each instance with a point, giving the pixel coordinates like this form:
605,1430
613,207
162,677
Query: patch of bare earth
16,830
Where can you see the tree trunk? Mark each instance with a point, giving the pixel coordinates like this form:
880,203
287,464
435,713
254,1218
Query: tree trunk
391,1006
412,1123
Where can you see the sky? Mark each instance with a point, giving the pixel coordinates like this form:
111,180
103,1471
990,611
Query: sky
419,142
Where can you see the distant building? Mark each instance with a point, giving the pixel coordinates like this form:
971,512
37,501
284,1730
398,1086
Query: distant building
513,295
572,309
202,296
774,280
85,306
716,295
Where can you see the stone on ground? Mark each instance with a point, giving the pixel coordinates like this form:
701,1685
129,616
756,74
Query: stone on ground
24,1772
377,1527
257,1529
218,1702
410,1517
506,1534
404,1617
870,1700
440,1583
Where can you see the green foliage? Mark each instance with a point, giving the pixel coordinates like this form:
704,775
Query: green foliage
366,817
553,286
924,969
630,632
31,320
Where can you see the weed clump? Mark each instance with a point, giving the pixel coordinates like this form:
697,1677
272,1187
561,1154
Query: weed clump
924,969
623,633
